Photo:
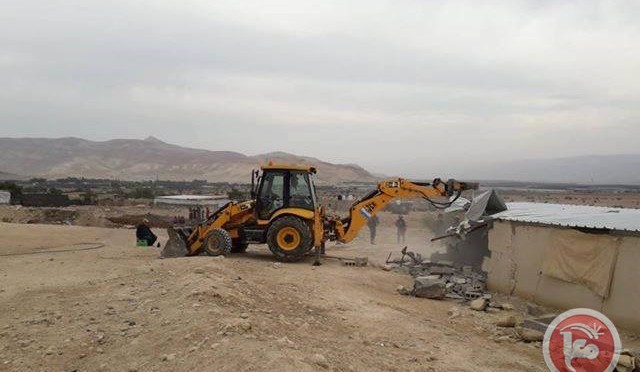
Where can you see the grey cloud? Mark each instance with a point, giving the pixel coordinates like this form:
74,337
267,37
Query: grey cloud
396,86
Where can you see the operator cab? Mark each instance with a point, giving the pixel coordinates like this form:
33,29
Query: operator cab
283,186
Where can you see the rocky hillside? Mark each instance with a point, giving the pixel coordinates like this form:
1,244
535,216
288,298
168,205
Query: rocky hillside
9,176
147,159
340,172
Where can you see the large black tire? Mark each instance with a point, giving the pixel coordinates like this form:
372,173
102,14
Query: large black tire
238,245
289,238
217,242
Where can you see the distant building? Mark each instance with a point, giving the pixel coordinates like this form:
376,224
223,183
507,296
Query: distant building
568,256
43,200
5,197
348,197
214,201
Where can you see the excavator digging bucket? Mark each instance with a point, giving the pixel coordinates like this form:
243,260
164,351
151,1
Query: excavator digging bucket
175,246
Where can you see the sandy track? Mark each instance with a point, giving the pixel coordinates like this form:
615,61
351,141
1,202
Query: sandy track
120,308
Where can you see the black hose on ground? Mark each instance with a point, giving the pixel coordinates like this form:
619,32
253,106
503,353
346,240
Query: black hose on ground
56,250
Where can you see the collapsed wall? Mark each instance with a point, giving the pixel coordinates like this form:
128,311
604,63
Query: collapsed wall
470,251
466,230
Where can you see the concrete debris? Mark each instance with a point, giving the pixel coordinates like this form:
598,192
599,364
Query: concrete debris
479,304
168,357
356,261
530,335
535,310
625,364
507,307
465,227
429,287
539,324
460,283
499,306
508,322
404,290
628,361
319,360
407,258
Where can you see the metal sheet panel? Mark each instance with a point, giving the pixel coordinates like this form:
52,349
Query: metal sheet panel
622,219
210,200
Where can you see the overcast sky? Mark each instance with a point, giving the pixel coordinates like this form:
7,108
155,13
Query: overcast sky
398,86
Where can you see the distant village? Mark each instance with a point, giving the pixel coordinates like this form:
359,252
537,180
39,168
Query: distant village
41,192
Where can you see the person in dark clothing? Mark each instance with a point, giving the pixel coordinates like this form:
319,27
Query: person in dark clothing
143,232
401,226
373,224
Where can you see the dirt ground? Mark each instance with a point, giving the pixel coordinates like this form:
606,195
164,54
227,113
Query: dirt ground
118,307
92,215
629,199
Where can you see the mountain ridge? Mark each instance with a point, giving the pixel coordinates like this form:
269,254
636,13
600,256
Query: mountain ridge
149,158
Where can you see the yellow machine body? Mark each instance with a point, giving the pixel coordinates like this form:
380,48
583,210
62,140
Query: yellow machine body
284,213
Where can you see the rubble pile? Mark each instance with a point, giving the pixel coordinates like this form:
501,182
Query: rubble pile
438,280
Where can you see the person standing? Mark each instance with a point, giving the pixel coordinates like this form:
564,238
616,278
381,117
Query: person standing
373,224
401,227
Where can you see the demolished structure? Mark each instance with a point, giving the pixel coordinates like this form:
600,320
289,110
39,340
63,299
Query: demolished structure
438,280
561,256
466,235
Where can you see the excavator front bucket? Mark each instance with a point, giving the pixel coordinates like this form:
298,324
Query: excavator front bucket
176,246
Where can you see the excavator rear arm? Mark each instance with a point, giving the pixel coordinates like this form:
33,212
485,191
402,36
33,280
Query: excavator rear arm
345,230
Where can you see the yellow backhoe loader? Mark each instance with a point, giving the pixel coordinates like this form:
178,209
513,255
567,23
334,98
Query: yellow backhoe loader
284,213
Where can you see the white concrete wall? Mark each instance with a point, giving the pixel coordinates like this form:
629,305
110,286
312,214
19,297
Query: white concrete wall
515,267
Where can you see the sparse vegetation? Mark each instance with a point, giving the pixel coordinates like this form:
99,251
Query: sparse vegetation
11,187
141,193
236,194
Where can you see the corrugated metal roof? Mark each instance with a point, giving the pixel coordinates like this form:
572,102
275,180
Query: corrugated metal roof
197,200
622,219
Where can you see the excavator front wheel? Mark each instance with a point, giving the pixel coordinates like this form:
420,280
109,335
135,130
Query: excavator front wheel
289,238
217,242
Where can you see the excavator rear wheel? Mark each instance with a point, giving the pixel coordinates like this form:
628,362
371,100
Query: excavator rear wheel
217,242
289,238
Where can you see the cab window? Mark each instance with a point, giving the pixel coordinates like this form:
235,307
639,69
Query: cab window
300,194
271,197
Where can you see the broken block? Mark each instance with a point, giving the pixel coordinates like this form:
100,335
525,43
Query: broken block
479,304
429,287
